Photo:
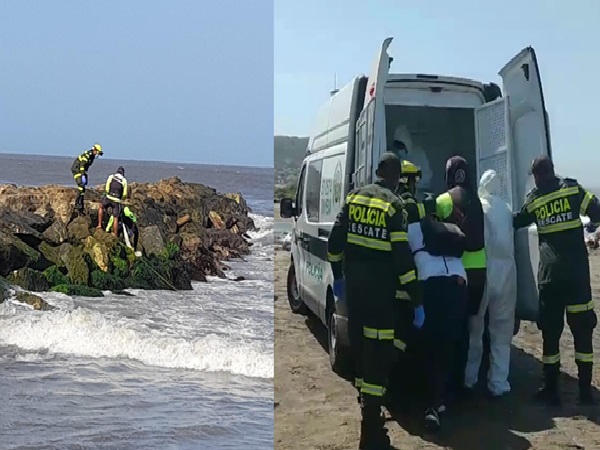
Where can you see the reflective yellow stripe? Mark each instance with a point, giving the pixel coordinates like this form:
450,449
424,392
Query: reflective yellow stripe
371,203
561,193
400,344
372,389
402,295
551,359
421,209
80,188
358,382
109,224
114,199
334,257
77,175
408,277
583,307
474,260
398,236
83,158
562,226
374,244
374,333
586,201
584,357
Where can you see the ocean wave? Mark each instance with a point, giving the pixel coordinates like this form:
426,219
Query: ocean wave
264,235
82,332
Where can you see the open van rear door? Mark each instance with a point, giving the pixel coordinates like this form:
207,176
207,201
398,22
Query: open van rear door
493,144
528,122
528,118
372,118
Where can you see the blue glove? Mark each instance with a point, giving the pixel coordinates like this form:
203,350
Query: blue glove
84,179
419,317
591,228
338,287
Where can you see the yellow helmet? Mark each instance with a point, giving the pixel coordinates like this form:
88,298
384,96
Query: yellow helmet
98,148
410,171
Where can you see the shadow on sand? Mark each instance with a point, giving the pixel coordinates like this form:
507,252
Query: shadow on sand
481,422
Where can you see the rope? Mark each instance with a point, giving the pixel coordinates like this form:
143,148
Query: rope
158,274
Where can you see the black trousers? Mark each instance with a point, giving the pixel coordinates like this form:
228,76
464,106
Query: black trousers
476,280
80,190
575,298
371,321
405,369
445,301
404,324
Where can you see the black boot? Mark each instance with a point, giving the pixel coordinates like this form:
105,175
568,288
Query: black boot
373,435
432,419
585,384
549,392
79,203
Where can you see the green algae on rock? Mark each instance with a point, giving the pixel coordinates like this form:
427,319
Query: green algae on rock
77,290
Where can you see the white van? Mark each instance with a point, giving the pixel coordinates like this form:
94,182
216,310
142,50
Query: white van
436,117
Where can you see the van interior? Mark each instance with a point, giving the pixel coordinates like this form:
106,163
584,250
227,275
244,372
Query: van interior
432,135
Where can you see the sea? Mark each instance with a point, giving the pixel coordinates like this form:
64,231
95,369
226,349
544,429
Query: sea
156,370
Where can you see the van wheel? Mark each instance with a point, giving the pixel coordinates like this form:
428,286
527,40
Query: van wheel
339,356
296,304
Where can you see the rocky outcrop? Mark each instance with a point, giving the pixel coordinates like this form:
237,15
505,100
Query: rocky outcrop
35,301
187,231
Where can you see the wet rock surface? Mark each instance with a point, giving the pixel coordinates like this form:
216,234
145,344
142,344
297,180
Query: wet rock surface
186,232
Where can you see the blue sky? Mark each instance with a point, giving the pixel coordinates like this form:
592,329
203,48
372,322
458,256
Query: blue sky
168,80
315,39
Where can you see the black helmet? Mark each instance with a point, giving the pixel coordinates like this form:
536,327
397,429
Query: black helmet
121,170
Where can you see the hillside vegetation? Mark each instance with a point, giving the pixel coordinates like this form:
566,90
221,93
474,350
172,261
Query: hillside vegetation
288,152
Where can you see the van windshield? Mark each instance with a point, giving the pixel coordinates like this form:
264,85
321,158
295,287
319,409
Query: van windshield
431,136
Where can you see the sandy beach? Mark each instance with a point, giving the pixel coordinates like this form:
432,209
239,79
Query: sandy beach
317,409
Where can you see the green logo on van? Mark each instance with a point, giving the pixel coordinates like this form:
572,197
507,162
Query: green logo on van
314,270
337,184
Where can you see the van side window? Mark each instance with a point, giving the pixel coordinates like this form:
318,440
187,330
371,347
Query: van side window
300,191
313,190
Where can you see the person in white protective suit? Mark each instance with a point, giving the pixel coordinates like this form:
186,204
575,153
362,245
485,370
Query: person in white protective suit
500,296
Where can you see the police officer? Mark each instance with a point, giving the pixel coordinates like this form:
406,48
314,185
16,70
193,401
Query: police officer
115,192
555,205
369,253
79,170
461,206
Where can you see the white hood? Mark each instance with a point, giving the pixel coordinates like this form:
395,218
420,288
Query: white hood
489,184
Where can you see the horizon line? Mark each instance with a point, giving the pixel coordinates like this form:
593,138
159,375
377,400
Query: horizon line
145,160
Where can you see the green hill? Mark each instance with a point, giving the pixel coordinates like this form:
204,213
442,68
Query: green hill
288,152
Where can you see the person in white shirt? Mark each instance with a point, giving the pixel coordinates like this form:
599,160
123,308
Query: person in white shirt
437,250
